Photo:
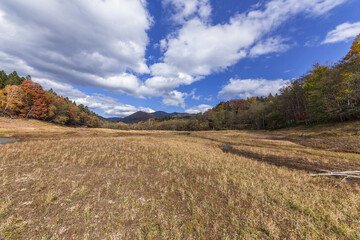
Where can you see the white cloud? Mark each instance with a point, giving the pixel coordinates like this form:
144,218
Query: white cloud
129,84
199,48
9,64
313,41
175,98
126,110
76,38
198,109
245,88
62,89
163,45
192,94
185,9
209,99
270,45
109,105
324,6
343,32
166,77
121,83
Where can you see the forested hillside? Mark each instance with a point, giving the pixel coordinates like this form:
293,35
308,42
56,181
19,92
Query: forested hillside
20,97
324,94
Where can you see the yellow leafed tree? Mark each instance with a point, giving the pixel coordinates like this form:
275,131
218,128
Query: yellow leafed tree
15,100
354,52
2,100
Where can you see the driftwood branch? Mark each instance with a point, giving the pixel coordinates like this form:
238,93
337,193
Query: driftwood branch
346,174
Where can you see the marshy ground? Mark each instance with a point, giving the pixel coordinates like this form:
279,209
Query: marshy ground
76,183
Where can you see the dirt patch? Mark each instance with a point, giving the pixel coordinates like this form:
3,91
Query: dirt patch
187,134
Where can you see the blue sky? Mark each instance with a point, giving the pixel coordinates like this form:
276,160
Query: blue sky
121,56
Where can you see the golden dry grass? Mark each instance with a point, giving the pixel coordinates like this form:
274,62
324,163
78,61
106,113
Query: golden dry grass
92,184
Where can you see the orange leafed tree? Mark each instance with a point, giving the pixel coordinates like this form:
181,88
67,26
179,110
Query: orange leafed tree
38,100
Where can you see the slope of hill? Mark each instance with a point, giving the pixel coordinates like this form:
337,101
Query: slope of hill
160,114
141,116
137,117
114,119
180,115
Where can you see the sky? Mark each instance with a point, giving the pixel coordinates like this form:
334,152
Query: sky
122,56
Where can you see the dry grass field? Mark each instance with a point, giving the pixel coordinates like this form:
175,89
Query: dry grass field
73,183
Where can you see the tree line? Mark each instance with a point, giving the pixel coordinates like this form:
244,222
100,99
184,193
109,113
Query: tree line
22,98
325,94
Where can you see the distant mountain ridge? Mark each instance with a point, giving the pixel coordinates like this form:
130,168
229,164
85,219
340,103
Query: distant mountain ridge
137,117
140,116
160,114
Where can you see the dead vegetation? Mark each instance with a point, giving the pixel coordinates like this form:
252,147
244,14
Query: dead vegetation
340,137
91,184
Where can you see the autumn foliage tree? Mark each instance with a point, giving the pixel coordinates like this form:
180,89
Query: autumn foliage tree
2,100
21,97
354,53
37,100
13,100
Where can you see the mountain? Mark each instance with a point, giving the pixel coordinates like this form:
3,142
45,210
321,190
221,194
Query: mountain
160,114
174,114
180,115
143,116
137,117
114,119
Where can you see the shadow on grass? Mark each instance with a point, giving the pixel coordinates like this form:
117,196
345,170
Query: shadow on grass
290,162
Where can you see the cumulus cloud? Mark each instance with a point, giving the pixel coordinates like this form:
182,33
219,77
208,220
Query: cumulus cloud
209,99
198,109
245,88
343,32
270,45
193,96
175,98
324,6
167,77
77,39
184,9
109,105
61,89
122,110
200,49
118,83
9,64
